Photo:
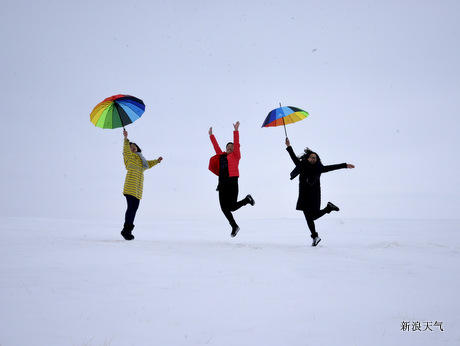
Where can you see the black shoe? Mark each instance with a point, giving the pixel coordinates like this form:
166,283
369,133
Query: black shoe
126,232
332,207
235,230
250,200
316,240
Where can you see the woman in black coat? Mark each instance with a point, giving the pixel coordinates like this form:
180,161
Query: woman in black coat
310,168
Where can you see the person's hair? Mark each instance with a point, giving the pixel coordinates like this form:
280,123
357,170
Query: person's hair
228,144
307,153
138,149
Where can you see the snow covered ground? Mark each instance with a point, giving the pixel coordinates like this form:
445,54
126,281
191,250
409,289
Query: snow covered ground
75,282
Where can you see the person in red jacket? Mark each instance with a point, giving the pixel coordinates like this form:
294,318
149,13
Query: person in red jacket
225,165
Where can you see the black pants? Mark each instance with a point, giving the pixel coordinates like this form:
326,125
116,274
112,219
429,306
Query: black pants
228,198
133,205
311,217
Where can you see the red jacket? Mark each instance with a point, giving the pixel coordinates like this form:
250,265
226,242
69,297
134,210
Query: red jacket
232,158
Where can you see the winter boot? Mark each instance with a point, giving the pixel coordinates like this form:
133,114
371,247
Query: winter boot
316,240
235,230
250,200
126,232
331,207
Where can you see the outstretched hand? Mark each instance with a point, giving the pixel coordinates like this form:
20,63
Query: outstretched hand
125,133
236,126
160,159
349,165
210,131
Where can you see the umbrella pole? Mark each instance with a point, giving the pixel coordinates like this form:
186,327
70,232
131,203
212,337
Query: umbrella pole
284,125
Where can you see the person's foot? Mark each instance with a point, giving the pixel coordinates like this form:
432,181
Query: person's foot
127,232
127,235
332,207
316,241
250,200
235,230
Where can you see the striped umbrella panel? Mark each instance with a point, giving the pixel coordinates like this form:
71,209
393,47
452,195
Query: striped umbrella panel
284,115
117,111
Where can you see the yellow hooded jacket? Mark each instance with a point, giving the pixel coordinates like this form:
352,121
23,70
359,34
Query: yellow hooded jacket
134,182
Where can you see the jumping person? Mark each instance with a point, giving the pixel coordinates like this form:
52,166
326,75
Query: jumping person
135,164
225,165
310,168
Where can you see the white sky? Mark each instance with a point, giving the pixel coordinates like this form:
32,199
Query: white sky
380,79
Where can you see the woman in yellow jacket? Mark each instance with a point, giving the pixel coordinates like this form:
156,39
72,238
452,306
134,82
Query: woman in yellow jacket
135,164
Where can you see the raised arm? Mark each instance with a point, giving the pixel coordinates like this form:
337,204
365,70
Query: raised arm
127,154
289,149
214,141
236,140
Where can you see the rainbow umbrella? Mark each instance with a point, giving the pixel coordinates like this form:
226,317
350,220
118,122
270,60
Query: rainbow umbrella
284,115
117,111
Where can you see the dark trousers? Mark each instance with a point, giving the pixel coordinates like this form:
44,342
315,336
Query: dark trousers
311,216
228,198
133,205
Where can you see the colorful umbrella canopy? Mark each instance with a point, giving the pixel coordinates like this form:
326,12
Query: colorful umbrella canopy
284,115
117,111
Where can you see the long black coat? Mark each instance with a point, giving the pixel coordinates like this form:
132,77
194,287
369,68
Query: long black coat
309,181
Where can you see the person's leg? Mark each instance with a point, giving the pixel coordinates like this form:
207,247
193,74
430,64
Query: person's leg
227,199
327,210
311,224
233,196
238,204
131,210
315,215
234,204
132,206
225,203
311,216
